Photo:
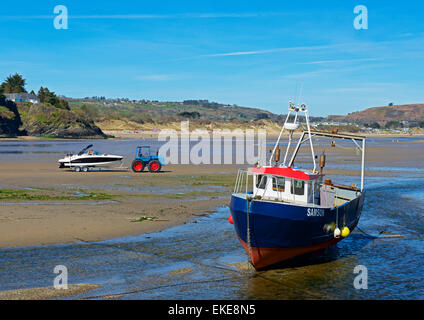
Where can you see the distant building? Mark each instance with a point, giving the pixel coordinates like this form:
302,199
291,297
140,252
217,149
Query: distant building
22,97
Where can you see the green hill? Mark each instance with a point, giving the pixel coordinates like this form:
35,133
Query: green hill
46,120
144,111
413,113
46,114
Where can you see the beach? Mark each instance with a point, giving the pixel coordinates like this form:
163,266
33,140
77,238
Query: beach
62,206
170,229
168,198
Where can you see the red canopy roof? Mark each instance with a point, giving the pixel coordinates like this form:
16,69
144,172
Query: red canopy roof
289,172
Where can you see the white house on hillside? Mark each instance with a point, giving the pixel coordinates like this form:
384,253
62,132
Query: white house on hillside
22,97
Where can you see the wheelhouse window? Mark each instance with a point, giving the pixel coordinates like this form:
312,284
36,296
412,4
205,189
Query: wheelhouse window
261,181
298,187
278,183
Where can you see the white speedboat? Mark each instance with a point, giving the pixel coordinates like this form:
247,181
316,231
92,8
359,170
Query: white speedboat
86,159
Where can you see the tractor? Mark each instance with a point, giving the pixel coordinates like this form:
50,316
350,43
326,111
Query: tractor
143,159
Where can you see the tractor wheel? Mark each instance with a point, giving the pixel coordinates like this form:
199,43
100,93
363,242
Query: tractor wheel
154,166
137,166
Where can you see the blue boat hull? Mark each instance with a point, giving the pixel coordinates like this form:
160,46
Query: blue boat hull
280,231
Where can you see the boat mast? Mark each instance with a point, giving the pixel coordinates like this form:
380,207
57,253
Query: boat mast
305,111
291,127
281,133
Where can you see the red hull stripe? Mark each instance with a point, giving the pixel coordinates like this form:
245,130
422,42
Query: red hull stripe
263,257
289,172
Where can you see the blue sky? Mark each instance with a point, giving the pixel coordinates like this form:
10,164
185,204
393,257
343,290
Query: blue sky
250,53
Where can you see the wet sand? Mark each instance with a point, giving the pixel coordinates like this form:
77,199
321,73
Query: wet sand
139,203
46,292
170,197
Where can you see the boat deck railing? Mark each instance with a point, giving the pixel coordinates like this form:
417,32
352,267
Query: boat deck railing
330,196
242,181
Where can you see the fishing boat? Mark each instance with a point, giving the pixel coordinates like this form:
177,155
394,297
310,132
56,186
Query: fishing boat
86,159
280,211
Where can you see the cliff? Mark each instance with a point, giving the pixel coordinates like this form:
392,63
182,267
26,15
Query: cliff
10,119
46,120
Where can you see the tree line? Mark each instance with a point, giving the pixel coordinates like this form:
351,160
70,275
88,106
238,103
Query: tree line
16,84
